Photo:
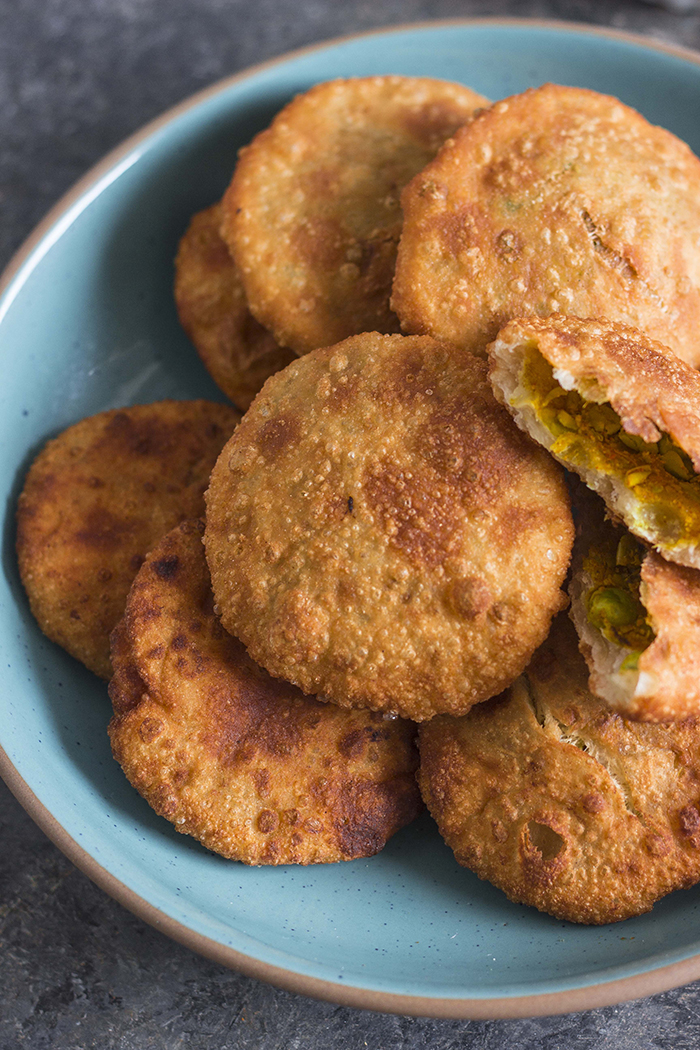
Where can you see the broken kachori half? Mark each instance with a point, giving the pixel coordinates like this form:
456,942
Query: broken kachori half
380,533
558,200
238,353
248,765
638,620
95,501
313,213
562,803
618,409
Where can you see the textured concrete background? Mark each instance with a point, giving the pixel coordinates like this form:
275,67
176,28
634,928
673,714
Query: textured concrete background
76,970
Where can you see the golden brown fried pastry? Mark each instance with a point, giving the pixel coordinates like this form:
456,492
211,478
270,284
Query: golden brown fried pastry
313,215
638,620
238,353
95,501
559,200
380,533
246,764
617,408
560,802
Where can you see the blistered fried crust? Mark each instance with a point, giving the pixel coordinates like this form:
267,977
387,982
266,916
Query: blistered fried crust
651,390
382,534
559,200
238,353
313,214
561,803
247,765
95,501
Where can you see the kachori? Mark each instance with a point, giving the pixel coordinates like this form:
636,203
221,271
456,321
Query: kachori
562,803
246,764
380,533
238,353
313,213
618,409
94,502
558,200
638,621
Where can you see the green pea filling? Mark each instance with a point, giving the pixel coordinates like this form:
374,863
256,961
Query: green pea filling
613,603
590,435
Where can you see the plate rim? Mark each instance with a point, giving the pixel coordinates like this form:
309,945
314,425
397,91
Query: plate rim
590,996
594,996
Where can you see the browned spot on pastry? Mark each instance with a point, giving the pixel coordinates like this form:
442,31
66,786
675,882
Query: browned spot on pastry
166,568
277,434
318,242
102,529
593,803
268,821
508,245
150,729
470,597
415,522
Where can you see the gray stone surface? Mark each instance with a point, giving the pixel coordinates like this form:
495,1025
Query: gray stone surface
76,970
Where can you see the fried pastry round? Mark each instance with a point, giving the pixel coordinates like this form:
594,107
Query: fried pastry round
95,501
561,803
238,353
559,200
638,621
313,215
380,533
248,765
617,408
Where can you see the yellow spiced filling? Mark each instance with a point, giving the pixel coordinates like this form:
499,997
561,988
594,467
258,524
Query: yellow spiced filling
589,435
613,603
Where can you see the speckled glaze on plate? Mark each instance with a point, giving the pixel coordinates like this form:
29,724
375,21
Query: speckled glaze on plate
87,322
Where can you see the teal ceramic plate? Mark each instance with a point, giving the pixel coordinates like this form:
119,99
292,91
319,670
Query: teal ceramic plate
87,323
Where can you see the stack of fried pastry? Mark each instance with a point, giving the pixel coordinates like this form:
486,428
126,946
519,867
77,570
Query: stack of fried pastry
388,531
